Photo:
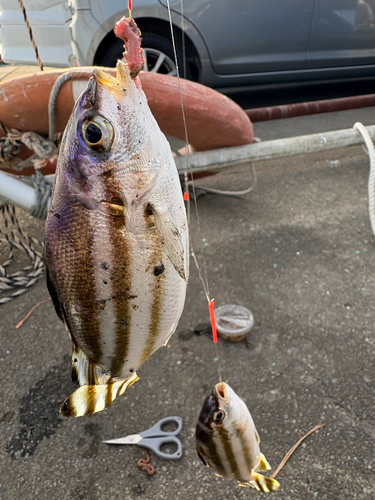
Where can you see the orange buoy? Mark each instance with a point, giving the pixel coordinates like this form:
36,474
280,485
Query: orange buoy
213,120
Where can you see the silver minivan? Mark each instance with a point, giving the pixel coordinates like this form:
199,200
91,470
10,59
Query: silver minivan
227,43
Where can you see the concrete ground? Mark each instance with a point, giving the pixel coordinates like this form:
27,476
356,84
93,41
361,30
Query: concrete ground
299,252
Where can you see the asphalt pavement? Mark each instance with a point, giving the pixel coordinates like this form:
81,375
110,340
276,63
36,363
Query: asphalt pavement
299,252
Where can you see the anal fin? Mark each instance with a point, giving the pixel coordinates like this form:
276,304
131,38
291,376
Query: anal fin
85,371
89,399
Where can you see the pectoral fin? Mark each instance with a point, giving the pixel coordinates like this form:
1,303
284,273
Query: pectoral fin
173,240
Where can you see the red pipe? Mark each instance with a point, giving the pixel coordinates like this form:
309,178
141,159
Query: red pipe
310,108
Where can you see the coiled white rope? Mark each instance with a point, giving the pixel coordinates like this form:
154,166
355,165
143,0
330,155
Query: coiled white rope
14,284
371,181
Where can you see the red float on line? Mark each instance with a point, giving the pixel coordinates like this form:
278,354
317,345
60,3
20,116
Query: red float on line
211,307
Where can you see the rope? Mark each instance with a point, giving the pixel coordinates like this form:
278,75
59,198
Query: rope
52,102
43,148
12,236
43,190
228,193
31,34
371,181
10,145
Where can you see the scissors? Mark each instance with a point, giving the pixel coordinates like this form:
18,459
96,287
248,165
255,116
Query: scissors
154,437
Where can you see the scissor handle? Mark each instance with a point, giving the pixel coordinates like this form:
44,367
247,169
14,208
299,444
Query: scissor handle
157,431
156,443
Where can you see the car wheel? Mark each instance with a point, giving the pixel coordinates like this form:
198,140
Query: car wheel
157,51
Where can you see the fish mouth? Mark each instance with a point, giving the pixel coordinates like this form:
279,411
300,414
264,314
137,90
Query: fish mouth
114,83
221,392
220,389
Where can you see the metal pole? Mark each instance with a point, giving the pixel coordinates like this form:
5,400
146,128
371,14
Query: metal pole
16,191
310,107
219,159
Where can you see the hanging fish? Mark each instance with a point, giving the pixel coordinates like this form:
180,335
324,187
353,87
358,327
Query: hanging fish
116,239
228,442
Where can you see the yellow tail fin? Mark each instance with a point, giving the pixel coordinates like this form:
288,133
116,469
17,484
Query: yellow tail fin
90,399
261,483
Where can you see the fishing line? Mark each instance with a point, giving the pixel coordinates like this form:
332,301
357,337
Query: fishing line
183,39
202,276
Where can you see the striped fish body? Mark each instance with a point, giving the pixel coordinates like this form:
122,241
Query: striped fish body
116,239
228,442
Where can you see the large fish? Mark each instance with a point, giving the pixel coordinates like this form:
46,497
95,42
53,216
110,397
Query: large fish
228,442
116,239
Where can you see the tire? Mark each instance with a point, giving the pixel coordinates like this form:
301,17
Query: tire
158,51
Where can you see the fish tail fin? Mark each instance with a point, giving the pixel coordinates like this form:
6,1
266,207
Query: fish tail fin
261,483
89,399
263,463
85,371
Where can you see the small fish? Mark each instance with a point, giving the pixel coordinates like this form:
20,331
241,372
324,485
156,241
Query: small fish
116,239
228,442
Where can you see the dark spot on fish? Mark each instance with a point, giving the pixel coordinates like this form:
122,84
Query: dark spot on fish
135,307
75,360
102,304
118,105
148,210
57,215
111,278
104,266
131,370
105,282
158,269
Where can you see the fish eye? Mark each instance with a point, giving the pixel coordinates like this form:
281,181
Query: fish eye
97,133
219,416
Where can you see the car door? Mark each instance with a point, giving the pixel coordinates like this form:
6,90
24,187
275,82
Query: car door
343,34
49,21
249,36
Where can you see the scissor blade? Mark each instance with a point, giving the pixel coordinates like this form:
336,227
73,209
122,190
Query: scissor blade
131,439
